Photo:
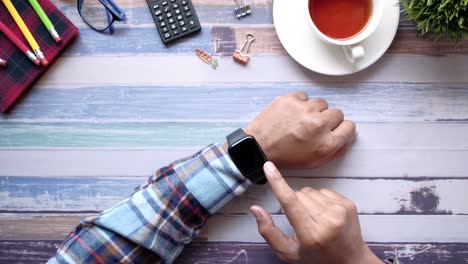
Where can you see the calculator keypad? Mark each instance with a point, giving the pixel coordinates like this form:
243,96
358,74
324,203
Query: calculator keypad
174,18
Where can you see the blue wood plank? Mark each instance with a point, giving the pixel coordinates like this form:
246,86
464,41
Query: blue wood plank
361,102
71,194
137,16
136,41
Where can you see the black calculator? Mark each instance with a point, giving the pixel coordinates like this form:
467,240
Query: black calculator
174,18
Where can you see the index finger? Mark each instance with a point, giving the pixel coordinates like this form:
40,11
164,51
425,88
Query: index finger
292,206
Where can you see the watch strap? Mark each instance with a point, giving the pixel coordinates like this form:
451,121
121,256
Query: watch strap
235,136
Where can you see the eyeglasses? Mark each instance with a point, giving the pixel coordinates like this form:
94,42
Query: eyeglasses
100,15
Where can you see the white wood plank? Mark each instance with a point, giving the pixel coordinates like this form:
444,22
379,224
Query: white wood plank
357,163
140,70
371,196
374,228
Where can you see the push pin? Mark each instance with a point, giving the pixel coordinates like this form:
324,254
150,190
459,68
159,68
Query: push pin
241,9
207,58
241,55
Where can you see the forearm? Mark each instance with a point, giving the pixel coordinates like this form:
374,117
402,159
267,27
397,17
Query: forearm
162,216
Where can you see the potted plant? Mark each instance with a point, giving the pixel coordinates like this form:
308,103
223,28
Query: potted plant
439,17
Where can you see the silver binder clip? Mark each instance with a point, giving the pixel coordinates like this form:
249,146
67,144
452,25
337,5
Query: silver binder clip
241,9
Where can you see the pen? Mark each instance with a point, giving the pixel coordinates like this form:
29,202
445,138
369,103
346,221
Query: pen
3,63
19,43
45,20
24,29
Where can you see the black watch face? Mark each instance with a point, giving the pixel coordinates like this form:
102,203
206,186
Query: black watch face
248,158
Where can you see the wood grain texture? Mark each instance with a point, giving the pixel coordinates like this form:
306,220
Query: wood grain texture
245,253
375,228
26,133
234,102
416,165
390,68
407,41
93,194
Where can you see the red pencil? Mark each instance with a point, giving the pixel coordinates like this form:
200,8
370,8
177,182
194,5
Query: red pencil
19,43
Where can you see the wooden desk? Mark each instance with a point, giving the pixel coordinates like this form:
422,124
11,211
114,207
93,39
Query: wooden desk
116,108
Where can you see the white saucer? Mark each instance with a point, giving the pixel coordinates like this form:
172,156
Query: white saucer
300,41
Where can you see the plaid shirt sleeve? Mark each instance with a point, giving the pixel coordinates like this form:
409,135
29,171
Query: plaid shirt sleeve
155,223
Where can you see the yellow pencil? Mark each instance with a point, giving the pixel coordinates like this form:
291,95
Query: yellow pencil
24,29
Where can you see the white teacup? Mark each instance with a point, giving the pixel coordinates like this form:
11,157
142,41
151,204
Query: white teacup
351,46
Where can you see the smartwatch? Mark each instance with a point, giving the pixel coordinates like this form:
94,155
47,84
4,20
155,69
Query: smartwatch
247,155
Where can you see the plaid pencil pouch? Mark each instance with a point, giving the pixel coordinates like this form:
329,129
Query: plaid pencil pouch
21,72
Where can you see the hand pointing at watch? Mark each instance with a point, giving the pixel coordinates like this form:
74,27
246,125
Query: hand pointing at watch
295,131
326,226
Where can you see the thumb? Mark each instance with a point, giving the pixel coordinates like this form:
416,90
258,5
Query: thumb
283,245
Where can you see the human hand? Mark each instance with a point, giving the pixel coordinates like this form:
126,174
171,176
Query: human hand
294,131
326,226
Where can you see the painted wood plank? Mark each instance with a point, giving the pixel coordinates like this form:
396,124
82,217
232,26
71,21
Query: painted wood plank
245,253
375,228
140,16
189,134
407,41
394,68
92,194
367,102
131,162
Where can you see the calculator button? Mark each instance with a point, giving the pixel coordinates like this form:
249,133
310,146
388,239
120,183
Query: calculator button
186,8
183,2
184,29
171,21
188,14
158,13
192,24
181,23
156,7
168,15
167,35
175,32
164,29
175,6
160,18
167,9
162,24
180,17
173,26
177,11
164,3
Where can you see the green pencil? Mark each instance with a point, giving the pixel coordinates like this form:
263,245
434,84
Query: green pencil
45,20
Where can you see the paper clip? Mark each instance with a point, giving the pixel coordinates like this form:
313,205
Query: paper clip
240,55
241,10
207,58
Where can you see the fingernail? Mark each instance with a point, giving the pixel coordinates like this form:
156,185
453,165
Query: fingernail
269,166
256,213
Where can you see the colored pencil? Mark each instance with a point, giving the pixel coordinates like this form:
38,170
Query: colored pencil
19,43
3,63
45,20
24,29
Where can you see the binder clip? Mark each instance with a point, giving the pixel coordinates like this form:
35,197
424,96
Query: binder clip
241,9
207,58
241,55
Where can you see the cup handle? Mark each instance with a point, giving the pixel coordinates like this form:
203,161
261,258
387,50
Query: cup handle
354,53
